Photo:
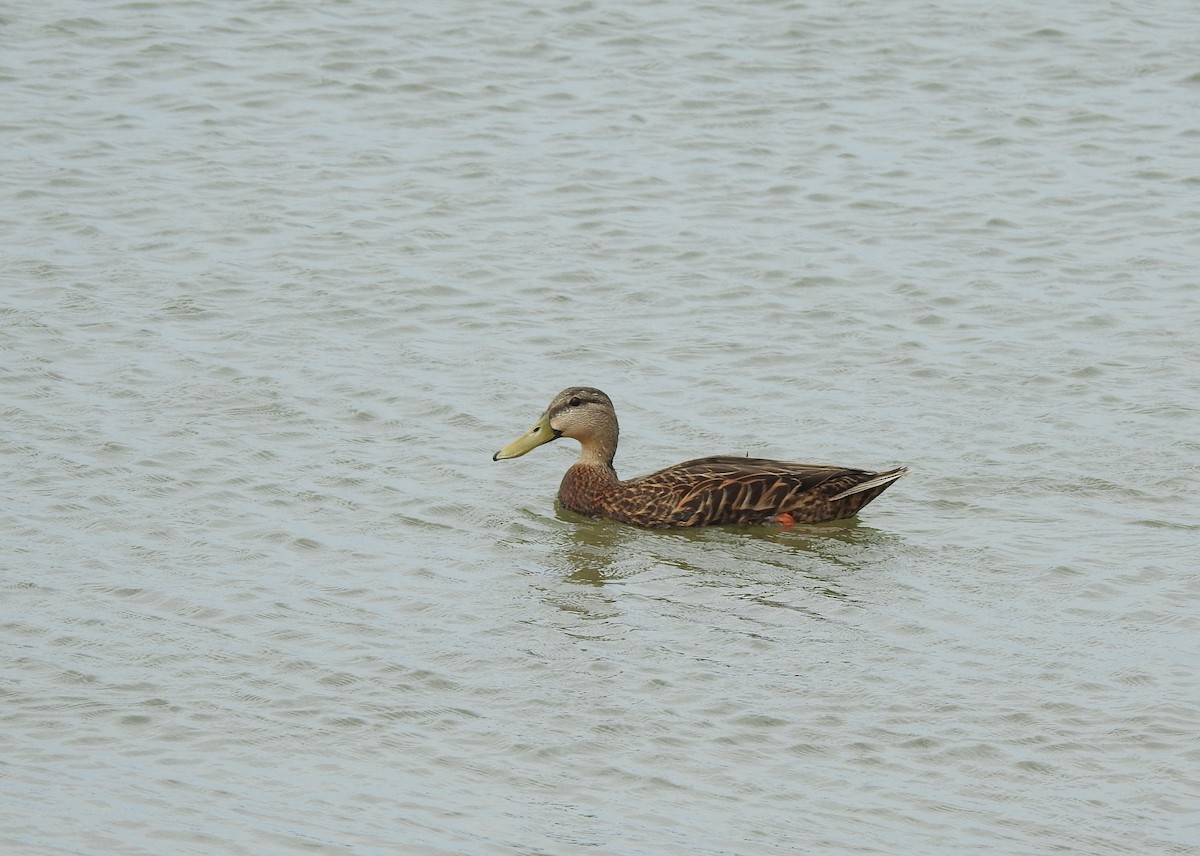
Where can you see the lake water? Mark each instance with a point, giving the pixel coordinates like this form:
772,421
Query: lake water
280,277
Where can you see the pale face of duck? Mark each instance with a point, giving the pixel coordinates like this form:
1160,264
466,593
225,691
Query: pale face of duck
579,412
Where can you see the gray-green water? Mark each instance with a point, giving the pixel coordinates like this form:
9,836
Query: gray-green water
278,278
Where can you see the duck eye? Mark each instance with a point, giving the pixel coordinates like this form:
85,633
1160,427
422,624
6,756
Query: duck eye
575,402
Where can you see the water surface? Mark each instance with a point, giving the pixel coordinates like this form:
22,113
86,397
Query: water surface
280,277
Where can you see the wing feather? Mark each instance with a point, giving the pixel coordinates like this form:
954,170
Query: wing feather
729,489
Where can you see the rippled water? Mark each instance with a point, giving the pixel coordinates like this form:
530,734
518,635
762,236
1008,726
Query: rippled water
280,277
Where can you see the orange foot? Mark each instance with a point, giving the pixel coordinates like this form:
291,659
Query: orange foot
785,520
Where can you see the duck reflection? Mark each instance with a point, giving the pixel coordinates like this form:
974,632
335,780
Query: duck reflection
598,552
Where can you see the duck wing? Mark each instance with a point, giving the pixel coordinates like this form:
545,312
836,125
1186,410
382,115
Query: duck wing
730,489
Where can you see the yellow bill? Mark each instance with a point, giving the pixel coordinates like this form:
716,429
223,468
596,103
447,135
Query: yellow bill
530,440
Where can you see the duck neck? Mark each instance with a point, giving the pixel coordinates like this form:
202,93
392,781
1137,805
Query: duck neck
598,453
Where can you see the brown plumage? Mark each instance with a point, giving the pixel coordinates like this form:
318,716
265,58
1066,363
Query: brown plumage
706,491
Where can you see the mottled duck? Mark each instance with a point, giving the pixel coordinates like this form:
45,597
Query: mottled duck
707,491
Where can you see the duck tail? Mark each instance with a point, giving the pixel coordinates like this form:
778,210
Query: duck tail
875,481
